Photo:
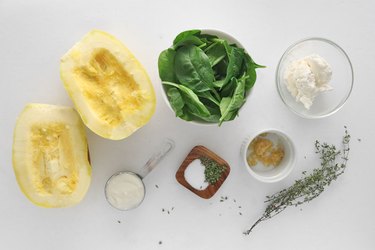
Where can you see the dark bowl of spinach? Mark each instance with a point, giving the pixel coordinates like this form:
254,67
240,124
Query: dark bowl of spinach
206,76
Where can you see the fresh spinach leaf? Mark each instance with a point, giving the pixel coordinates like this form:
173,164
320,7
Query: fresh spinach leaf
229,88
185,34
186,115
249,69
232,115
191,100
216,94
238,97
211,118
214,112
235,62
189,40
259,66
224,104
216,52
237,100
193,68
176,101
226,45
252,77
208,37
166,65
236,56
254,63
208,95
220,70
212,107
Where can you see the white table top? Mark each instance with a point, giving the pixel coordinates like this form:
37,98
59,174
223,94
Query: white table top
35,34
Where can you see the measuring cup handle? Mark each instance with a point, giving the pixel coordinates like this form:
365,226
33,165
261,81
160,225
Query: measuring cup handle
167,146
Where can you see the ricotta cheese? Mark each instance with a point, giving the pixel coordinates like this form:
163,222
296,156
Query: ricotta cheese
308,77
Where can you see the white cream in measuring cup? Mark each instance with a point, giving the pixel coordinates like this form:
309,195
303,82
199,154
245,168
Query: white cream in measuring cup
125,190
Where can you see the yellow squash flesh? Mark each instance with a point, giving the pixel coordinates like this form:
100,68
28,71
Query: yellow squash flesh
109,87
50,155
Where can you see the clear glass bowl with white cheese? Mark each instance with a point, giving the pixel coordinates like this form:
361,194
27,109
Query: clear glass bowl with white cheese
314,77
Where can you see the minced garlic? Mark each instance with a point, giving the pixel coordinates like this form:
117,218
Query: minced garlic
263,150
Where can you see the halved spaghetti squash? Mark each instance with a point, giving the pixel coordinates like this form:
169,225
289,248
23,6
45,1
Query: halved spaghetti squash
50,155
109,87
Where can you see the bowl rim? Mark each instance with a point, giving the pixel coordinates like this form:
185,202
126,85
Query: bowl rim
220,34
288,169
278,83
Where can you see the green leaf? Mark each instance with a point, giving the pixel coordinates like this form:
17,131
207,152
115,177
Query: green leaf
186,115
214,112
259,66
254,63
249,68
218,83
193,69
191,100
208,95
176,101
209,38
213,108
216,52
166,65
211,118
189,40
229,88
236,56
235,61
220,70
183,35
237,100
224,104
252,77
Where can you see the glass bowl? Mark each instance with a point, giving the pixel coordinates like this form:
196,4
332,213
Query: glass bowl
326,103
231,40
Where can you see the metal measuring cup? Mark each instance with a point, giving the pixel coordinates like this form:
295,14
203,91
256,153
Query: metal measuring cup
167,146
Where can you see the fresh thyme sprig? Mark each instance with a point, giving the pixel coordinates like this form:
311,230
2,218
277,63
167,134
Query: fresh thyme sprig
309,186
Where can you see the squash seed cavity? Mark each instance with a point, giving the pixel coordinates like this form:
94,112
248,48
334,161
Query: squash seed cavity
109,89
53,169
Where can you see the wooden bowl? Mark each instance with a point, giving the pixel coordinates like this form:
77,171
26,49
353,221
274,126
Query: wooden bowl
196,153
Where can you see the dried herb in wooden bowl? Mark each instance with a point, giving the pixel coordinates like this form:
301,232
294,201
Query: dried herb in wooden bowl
213,170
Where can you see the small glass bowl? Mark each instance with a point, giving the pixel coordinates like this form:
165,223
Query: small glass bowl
326,103
221,35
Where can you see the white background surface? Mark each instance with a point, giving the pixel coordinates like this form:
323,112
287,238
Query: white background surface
35,34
